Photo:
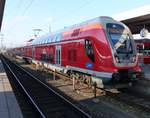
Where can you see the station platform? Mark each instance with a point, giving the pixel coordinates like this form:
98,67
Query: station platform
9,107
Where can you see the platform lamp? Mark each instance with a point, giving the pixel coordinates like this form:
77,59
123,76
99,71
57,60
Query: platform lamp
143,33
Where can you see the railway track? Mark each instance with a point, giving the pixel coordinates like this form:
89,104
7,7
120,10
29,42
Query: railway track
46,102
124,97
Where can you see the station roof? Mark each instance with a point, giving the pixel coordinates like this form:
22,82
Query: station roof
2,4
136,19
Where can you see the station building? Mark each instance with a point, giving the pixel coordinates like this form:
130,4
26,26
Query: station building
136,20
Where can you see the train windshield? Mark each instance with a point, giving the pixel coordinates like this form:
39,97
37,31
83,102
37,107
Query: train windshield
120,38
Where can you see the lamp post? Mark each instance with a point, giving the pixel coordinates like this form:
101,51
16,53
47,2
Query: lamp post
36,32
143,33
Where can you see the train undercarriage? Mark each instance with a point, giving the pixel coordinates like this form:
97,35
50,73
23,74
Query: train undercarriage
121,79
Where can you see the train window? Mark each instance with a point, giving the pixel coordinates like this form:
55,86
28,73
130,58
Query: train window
50,58
54,38
44,41
43,56
89,50
48,40
57,37
46,57
41,41
120,38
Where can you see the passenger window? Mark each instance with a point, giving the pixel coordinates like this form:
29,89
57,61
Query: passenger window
47,58
89,50
43,57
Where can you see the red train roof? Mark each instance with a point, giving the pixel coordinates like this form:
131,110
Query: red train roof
67,32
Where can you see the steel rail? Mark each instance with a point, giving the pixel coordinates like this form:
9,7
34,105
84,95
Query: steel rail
73,105
56,93
34,104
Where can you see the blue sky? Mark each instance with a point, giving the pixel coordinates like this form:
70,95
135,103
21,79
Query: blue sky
22,16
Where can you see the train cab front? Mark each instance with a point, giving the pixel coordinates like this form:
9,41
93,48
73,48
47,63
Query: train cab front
125,58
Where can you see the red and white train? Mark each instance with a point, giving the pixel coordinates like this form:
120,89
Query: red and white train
143,48
102,48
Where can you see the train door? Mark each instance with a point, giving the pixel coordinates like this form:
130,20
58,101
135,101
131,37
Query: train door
33,52
58,55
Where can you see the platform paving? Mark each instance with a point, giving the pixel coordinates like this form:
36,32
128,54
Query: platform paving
9,107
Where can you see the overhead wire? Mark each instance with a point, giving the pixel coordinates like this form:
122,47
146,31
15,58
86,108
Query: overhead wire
75,10
23,14
60,17
18,6
13,11
27,8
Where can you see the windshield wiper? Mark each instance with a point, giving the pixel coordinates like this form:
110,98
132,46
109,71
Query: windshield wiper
119,43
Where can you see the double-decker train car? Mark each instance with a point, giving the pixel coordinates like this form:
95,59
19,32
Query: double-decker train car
143,47
101,48
147,52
